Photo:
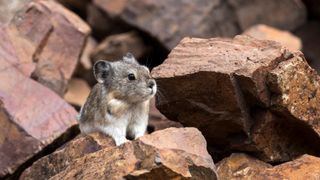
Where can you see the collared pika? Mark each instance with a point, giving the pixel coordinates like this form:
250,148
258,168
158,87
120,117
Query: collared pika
118,104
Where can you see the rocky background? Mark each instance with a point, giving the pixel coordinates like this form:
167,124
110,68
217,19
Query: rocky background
238,88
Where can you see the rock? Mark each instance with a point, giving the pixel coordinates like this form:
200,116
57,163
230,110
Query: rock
264,32
158,121
212,63
84,68
116,46
78,91
85,60
241,166
177,19
31,117
247,75
295,94
305,167
171,153
57,41
276,139
107,25
308,33
8,9
58,161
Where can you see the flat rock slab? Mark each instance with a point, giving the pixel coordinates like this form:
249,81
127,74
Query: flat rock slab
31,117
219,85
169,20
165,154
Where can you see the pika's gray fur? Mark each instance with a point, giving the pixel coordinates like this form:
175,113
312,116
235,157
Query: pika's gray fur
118,104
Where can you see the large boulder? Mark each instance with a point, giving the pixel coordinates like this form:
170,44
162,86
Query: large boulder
167,154
241,166
169,20
55,42
31,117
233,90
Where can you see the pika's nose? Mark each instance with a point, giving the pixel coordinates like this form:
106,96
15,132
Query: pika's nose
151,84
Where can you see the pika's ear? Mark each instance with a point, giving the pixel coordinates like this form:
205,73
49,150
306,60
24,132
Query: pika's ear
129,58
102,71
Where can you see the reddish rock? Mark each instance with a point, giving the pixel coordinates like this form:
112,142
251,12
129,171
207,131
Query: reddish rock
114,47
241,166
167,154
264,32
158,121
169,21
305,167
59,160
199,74
295,94
58,39
31,117
219,85
78,91
277,139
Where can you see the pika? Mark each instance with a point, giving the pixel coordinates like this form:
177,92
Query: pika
118,105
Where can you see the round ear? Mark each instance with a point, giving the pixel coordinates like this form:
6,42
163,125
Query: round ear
102,71
129,58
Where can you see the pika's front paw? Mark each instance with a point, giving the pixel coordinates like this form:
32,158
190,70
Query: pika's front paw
120,141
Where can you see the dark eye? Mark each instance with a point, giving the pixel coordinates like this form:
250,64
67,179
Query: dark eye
131,77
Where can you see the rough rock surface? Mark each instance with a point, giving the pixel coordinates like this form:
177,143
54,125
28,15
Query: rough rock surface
158,121
56,41
31,117
115,46
264,32
167,154
59,160
245,74
241,166
177,19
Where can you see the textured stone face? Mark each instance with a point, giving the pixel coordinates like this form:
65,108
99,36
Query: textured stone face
295,91
241,93
57,40
169,20
165,154
241,166
42,37
31,117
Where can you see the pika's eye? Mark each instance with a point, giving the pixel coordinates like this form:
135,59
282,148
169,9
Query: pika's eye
131,77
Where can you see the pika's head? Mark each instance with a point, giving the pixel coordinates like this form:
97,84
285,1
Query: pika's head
126,79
